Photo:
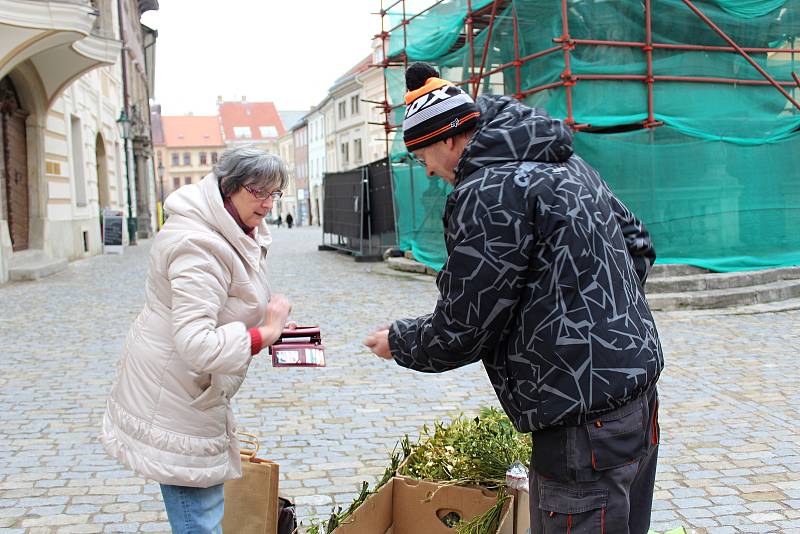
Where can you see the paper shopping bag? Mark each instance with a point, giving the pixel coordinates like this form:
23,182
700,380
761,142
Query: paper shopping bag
251,502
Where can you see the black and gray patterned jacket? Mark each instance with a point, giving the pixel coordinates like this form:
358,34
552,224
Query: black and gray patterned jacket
543,280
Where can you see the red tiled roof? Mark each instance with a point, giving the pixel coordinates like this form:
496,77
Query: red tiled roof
253,115
191,130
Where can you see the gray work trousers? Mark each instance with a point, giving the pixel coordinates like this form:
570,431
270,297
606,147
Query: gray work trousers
598,477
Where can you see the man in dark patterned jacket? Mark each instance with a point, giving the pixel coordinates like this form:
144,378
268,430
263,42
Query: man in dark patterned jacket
544,283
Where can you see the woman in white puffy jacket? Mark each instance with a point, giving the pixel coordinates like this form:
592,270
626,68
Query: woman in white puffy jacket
207,312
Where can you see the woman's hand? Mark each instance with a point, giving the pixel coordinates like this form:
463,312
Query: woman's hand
278,311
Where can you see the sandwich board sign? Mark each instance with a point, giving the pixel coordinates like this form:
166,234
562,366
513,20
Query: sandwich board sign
112,231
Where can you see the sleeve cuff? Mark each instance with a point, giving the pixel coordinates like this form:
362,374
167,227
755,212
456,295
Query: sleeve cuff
256,343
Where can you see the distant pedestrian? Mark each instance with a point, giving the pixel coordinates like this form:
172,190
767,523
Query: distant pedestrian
289,220
279,221
208,310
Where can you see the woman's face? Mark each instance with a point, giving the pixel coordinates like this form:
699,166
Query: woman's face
250,206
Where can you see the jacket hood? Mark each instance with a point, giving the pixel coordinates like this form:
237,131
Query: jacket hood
510,131
202,202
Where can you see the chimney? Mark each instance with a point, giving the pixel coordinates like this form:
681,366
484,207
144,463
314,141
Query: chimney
219,100
244,98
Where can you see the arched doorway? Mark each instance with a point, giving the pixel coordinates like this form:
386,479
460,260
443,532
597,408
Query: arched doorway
15,164
101,162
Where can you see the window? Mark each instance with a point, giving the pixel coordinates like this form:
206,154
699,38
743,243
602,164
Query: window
187,180
345,152
203,159
213,157
176,159
176,183
357,149
242,132
187,159
160,158
354,105
268,131
342,110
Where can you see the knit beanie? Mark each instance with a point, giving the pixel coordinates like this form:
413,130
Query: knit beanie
435,108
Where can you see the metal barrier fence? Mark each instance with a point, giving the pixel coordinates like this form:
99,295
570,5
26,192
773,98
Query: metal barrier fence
358,211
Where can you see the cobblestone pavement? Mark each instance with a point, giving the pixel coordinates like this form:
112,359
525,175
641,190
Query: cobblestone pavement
730,459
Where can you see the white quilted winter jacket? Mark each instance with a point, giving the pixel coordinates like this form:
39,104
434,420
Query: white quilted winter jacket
169,417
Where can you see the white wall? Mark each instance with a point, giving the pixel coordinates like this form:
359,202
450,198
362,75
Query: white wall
88,107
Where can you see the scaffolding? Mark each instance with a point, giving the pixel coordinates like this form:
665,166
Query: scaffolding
483,19
483,64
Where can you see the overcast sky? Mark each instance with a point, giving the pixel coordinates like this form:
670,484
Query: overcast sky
285,51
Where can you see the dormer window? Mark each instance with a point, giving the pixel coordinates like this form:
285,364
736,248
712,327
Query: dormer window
268,131
242,132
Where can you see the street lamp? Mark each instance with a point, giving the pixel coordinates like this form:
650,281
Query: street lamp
124,124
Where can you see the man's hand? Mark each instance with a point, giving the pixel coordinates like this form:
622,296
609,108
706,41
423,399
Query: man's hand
378,342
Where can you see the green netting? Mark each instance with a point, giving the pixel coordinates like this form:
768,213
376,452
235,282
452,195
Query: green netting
419,221
430,34
709,203
717,185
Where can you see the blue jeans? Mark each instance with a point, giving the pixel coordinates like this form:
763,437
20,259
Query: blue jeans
194,510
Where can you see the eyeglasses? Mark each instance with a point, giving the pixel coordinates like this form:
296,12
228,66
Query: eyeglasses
416,159
263,194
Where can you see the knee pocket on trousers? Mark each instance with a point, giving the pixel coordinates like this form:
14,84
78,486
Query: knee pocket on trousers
566,509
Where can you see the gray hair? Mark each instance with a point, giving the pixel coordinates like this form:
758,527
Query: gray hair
248,165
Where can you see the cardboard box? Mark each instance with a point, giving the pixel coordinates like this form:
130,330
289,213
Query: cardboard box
402,506
522,512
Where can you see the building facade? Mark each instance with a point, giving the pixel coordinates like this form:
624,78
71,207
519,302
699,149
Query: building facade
64,81
137,67
316,160
350,118
192,145
288,203
331,156
371,80
300,141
